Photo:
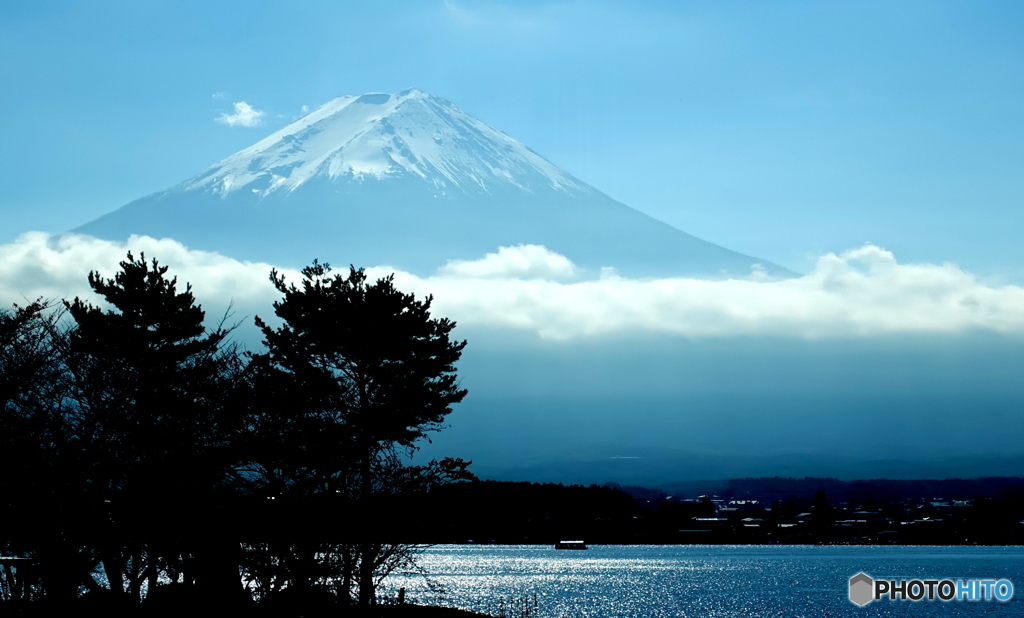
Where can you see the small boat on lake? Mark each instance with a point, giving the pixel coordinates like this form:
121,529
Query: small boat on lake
570,545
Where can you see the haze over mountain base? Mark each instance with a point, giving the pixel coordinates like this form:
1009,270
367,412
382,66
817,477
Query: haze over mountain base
371,222
865,367
411,181
647,411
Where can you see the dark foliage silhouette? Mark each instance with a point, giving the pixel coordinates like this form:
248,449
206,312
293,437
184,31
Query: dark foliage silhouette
152,424
146,459
41,506
353,377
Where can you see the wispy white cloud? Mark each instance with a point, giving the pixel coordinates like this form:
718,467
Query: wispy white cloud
218,96
244,115
859,293
494,17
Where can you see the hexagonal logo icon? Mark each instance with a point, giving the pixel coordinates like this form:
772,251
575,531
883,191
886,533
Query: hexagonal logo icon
862,589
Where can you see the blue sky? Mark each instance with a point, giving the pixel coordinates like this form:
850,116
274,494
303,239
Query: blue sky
784,130
780,129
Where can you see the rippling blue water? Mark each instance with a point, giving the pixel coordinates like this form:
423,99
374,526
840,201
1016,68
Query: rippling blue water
707,581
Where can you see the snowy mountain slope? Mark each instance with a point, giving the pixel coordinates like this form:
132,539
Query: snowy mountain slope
412,181
380,135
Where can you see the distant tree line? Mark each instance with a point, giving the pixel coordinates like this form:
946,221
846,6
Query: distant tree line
858,491
142,452
531,513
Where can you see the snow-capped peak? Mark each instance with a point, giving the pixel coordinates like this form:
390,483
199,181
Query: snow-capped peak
409,134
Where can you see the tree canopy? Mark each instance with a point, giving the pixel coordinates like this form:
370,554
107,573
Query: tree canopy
148,449
366,366
370,350
150,376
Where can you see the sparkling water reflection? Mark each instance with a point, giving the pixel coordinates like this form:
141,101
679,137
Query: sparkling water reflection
645,581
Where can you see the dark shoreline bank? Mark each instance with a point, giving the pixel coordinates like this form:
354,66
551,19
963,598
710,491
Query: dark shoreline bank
42,609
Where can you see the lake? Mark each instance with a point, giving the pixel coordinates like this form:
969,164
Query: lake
706,581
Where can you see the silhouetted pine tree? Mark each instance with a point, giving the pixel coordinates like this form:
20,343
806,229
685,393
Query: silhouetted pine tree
153,420
356,372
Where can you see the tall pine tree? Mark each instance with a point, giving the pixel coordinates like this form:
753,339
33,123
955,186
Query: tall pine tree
367,372
154,418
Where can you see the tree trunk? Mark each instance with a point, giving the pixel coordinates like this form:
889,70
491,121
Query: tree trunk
13,589
367,592
135,576
151,570
348,566
60,568
301,573
113,568
216,570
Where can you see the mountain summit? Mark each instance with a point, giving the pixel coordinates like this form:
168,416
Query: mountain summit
411,181
410,134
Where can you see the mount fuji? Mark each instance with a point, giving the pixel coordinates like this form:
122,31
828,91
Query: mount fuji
411,181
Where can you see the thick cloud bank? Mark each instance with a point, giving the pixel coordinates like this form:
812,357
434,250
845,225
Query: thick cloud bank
863,292
55,267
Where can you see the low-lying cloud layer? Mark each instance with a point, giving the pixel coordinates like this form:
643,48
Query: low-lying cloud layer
57,267
862,292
